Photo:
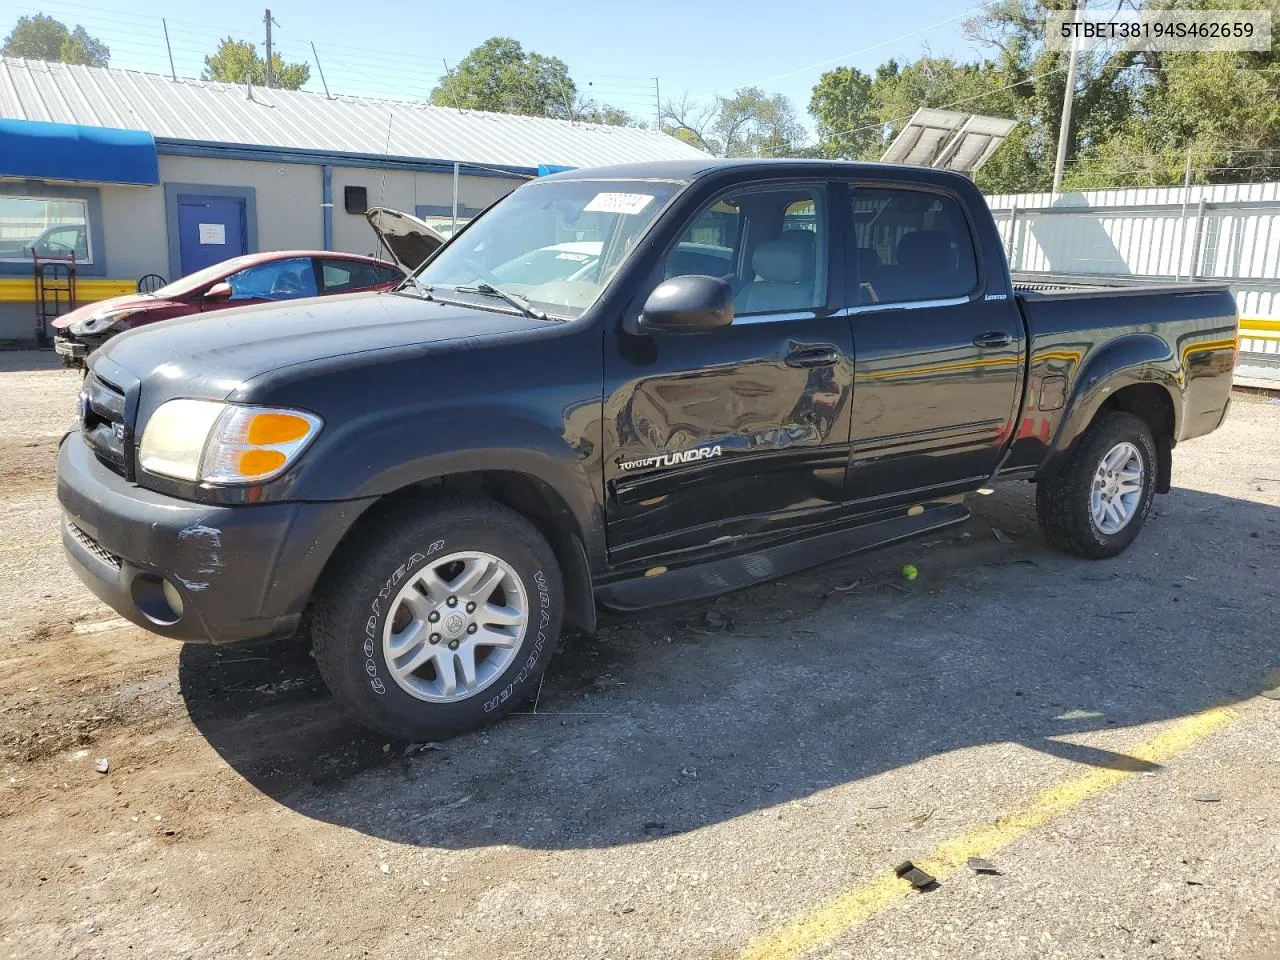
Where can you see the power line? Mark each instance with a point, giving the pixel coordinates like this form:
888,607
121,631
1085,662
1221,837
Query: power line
955,103
874,46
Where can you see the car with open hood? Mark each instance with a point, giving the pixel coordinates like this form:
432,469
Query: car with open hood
238,282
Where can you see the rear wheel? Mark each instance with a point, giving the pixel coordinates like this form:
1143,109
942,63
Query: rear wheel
1097,504
438,618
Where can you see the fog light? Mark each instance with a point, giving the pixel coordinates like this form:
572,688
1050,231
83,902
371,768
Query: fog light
173,597
157,599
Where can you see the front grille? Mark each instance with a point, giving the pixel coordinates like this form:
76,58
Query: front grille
103,423
93,546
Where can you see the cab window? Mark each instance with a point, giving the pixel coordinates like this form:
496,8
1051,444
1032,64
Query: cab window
769,243
912,245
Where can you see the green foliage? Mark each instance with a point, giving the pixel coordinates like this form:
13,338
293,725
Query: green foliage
500,76
237,61
40,37
591,112
748,123
1136,113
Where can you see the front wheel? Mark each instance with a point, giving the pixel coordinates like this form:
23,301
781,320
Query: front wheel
438,618
1097,504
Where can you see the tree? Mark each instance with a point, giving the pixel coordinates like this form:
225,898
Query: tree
609,116
501,77
847,115
748,123
43,38
237,61
858,115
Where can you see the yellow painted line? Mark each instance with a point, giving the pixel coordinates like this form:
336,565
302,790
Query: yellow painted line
856,906
88,289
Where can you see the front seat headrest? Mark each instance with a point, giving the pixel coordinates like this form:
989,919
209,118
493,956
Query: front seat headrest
785,260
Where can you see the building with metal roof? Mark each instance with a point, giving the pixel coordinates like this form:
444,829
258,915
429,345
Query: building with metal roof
137,173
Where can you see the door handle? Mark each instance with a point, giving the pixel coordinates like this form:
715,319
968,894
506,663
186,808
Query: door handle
819,355
992,338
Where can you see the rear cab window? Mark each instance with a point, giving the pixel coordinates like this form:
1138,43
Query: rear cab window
910,246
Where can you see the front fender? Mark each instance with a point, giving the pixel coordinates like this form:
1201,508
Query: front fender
380,453
1140,358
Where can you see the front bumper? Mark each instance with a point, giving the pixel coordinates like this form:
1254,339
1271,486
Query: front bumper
72,352
66,347
237,572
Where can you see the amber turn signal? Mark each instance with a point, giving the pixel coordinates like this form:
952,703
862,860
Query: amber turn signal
266,429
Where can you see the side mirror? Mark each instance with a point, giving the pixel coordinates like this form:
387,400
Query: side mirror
219,291
684,305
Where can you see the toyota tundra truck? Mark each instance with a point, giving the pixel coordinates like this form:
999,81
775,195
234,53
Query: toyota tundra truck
617,388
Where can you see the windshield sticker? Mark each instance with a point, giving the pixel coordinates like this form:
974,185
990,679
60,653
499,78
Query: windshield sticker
629,203
575,257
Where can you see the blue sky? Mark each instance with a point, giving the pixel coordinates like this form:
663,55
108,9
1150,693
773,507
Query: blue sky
396,48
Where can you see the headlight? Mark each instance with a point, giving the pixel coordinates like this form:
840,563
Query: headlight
208,441
99,322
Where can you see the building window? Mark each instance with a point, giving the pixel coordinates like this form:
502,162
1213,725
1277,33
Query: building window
49,227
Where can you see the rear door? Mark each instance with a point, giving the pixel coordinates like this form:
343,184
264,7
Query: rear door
939,362
743,430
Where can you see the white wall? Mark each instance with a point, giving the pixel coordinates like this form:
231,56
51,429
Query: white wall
404,190
134,231
290,215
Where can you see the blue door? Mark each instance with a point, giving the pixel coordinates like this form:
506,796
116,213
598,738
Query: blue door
210,230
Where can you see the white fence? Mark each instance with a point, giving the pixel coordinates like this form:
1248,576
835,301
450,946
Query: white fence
1228,233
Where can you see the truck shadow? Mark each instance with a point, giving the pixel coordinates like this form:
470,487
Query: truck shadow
690,718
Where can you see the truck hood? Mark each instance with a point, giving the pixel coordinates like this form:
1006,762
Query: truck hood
230,347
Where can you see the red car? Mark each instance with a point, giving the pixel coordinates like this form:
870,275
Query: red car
254,278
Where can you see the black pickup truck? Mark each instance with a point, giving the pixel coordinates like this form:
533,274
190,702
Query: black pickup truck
616,388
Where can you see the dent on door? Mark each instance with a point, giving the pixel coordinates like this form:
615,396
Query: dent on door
743,443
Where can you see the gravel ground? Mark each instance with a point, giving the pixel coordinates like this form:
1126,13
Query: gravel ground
692,783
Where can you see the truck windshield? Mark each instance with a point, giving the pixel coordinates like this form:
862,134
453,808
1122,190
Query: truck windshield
555,243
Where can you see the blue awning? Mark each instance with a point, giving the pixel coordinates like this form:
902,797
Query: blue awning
65,151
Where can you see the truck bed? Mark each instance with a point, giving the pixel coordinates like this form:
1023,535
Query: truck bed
1080,329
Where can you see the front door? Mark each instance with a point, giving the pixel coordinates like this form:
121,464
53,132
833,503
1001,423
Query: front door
742,431
289,279
210,229
939,366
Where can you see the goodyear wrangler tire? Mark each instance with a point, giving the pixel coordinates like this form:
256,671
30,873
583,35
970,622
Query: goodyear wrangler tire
438,618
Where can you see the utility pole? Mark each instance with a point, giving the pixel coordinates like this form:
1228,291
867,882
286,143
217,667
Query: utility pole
1064,131
657,98
267,20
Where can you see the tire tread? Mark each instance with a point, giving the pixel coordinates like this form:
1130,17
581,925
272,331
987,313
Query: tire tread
1065,525
395,532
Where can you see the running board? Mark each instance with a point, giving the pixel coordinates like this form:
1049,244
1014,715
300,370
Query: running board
715,577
